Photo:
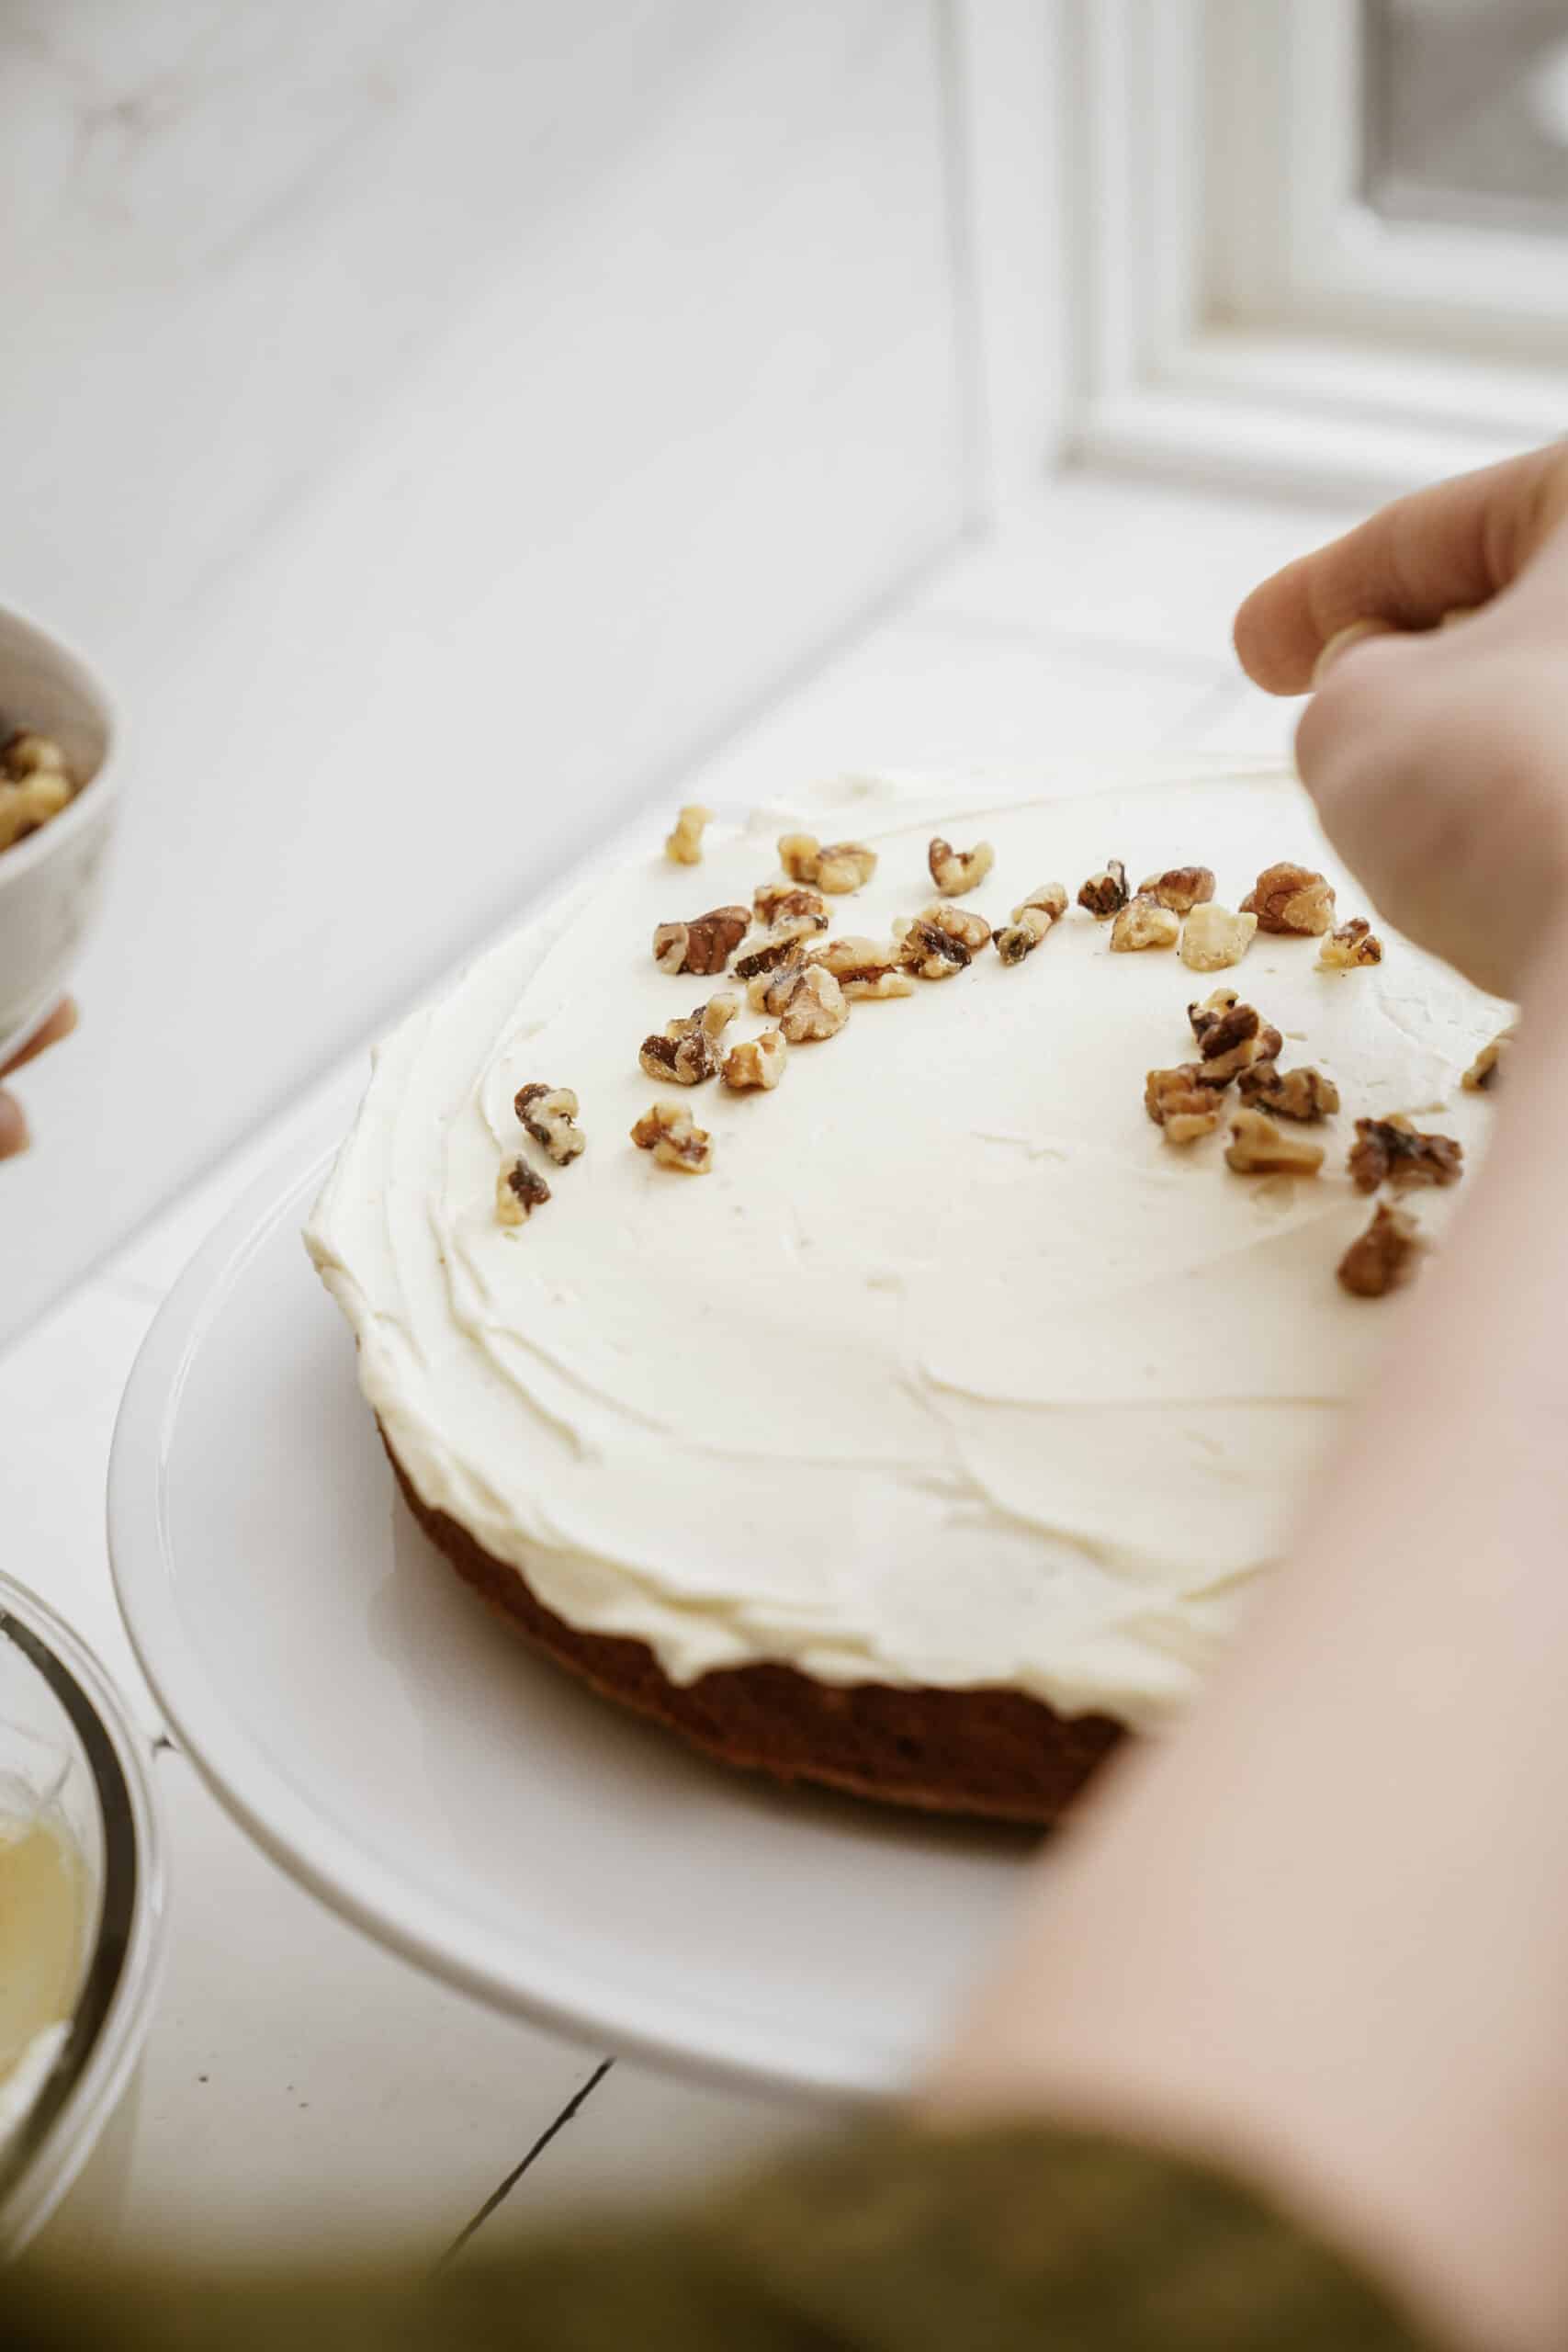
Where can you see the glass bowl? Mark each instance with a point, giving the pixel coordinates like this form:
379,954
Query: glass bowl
74,1771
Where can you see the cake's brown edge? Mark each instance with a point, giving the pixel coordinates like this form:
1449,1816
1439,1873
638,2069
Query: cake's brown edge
992,1752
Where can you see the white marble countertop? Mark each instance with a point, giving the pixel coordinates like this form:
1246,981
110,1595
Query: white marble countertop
301,2087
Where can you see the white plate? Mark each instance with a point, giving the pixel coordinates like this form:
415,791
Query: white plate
375,1727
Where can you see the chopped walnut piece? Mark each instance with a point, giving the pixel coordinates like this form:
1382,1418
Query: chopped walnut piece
26,753
518,1192
26,807
1351,948
940,940
955,871
1487,1067
686,1050
705,944
1304,1094
833,866
1291,899
547,1114
757,1062
773,902
1384,1257
1180,887
1032,920
1179,1102
669,1131
1021,937
1392,1151
1106,893
684,845
959,923
781,942
1258,1147
845,865
864,967
1212,938
816,1008
1143,922
1231,1037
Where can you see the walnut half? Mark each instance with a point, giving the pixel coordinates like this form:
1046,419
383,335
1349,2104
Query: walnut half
549,1113
955,871
670,1132
1384,1257
1258,1147
684,845
518,1192
756,1063
1392,1151
1291,899
705,944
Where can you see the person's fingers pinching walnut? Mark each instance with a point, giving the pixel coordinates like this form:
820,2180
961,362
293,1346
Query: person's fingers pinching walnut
13,1135
1434,753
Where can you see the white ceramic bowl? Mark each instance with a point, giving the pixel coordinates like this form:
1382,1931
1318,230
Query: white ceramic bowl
49,883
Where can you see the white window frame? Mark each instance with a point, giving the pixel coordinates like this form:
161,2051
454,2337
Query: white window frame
1241,314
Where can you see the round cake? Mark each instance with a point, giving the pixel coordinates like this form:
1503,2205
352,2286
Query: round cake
929,1420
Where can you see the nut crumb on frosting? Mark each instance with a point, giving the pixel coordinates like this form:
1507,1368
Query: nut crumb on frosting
864,967
1105,893
955,871
1258,1147
1212,938
1180,1103
1384,1256
1291,899
549,1113
1303,1094
686,1050
669,1131
684,845
705,944
1143,922
1352,948
833,866
1393,1152
1487,1067
757,1062
1180,887
518,1192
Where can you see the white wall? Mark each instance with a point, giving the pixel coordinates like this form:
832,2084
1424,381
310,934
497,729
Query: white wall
438,426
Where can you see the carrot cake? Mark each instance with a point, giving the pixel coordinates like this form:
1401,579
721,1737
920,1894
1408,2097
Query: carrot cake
868,1283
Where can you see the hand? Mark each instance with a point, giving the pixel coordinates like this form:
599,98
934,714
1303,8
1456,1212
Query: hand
13,1124
1437,756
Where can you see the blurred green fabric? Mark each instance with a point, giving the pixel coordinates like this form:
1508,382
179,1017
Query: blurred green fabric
891,2240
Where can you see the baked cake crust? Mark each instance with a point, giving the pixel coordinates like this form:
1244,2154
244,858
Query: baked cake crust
994,1753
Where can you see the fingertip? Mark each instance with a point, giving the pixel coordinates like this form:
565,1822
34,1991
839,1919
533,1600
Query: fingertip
14,1137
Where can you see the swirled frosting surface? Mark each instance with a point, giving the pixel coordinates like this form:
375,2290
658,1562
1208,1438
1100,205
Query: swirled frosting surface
951,1372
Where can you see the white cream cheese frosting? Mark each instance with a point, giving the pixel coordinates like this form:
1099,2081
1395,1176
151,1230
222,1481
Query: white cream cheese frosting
951,1372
